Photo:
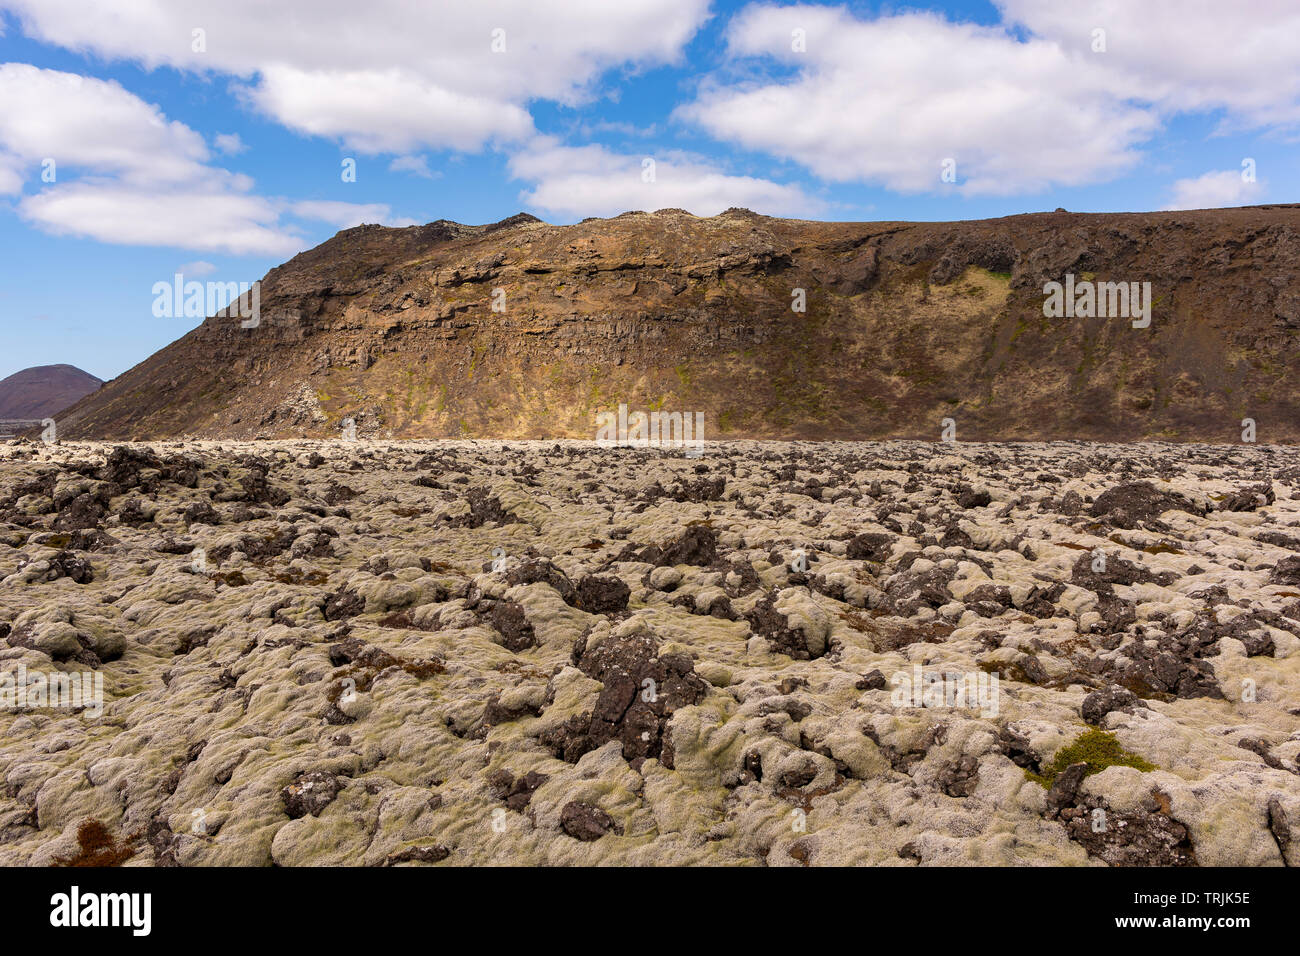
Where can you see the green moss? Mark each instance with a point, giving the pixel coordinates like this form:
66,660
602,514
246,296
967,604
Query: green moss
1098,749
479,351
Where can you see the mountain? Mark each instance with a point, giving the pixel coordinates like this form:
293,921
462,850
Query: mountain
523,329
43,390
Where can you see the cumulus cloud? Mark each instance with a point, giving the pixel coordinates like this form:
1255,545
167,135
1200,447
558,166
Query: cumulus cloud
82,122
229,143
196,269
1041,100
191,219
894,100
890,100
1185,54
11,174
430,73
385,111
124,173
415,165
581,181
345,215
1214,190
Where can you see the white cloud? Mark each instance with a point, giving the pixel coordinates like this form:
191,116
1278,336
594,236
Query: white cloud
345,215
144,180
889,100
410,73
387,111
575,182
1185,54
127,175
1214,190
196,269
229,143
416,165
90,124
11,174
1020,107
192,219
617,128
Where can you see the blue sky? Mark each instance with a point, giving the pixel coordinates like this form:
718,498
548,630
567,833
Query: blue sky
208,137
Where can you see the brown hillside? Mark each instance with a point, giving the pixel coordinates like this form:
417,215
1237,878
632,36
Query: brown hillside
906,324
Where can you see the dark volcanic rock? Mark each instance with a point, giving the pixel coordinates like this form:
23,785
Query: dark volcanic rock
66,564
83,513
1065,787
766,621
1286,572
1248,499
343,604
539,569
585,821
1147,837
908,591
1137,503
698,545
602,595
483,508
641,691
870,546
511,622
1101,702
310,794
515,792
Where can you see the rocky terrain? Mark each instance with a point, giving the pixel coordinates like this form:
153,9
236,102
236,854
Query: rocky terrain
522,329
471,652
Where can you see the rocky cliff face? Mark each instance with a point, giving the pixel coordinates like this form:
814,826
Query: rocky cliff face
523,329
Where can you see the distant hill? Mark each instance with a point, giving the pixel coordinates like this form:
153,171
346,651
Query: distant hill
42,391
